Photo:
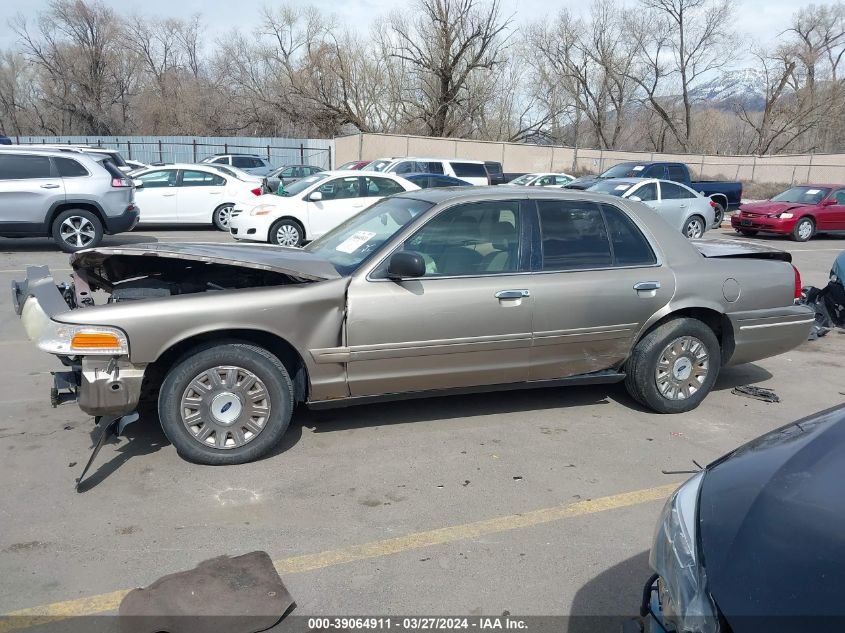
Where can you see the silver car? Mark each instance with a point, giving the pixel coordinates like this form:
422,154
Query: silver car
685,209
73,197
429,291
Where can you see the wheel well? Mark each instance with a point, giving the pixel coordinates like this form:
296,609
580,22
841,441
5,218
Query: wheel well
721,199
716,321
276,345
67,206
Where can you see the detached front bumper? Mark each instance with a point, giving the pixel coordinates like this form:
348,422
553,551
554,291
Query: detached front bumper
102,385
740,222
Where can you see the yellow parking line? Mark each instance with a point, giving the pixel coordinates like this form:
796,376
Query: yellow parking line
35,616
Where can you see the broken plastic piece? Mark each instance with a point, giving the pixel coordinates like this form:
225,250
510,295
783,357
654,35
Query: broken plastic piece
757,393
111,426
241,594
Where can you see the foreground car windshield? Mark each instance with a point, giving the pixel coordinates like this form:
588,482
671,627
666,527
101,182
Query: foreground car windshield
612,188
302,184
347,246
802,195
619,171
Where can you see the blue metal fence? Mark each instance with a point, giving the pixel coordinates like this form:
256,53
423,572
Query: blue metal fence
188,149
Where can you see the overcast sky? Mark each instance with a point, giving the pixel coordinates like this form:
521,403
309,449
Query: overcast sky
758,19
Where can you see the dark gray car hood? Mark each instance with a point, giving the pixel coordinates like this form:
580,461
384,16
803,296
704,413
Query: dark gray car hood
772,528
289,261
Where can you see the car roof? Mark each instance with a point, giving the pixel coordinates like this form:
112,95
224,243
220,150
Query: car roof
49,152
451,159
494,192
426,173
818,186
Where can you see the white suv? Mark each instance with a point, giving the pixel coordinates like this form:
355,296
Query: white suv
311,206
472,171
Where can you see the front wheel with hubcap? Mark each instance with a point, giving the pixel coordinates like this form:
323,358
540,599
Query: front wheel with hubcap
223,216
226,404
694,227
674,366
287,232
76,229
803,230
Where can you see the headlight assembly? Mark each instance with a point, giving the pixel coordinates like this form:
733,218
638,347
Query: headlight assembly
674,555
82,340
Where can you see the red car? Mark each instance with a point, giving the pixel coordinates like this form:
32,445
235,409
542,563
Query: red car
354,164
799,212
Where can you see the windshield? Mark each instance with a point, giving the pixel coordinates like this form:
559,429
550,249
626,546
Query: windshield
302,184
523,180
802,195
621,170
613,188
348,245
378,165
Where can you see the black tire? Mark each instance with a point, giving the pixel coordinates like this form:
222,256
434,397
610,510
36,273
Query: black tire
641,379
247,359
292,228
694,228
76,229
804,230
719,215
747,232
220,218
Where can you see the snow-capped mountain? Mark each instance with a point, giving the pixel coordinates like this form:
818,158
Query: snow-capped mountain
746,86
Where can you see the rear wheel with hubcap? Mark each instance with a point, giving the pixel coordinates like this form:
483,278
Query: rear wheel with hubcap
76,229
719,213
223,216
226,404
287,232
694,227
674,366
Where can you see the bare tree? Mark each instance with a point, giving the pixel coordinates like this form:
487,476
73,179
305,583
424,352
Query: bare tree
448,42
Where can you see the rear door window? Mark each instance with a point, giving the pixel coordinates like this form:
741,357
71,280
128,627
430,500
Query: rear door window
23,166
630,247
469,170
671,191
201,179
69,168
573,236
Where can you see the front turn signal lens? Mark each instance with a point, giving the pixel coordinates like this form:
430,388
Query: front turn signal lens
95,341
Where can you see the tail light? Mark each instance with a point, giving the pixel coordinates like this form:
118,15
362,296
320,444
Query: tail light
797,282
712,205
256,191
122,182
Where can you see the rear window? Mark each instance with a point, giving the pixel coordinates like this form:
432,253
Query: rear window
469,170
23,166
69,168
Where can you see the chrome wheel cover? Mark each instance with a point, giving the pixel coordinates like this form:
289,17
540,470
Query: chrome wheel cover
682,368
77,231
695,229
224,215
805,229
225,407
287,235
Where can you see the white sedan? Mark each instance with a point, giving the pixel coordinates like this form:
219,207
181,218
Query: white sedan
555,180
687,210
190,194
311,206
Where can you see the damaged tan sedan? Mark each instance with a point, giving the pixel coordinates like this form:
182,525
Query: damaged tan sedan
425,293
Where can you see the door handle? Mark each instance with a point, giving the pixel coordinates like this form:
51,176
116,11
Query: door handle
512,294
167,195
647,285
50,186
682,206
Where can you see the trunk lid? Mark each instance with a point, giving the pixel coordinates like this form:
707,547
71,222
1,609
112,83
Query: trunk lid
279,259
739,249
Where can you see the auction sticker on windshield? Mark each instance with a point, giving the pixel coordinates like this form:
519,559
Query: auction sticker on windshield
352,244
638,168
812,192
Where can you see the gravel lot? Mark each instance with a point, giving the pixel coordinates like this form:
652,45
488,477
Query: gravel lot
363,475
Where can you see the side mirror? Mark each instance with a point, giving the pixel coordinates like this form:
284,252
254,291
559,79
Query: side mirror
635,199
315,196
405,265
138,184
829,202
